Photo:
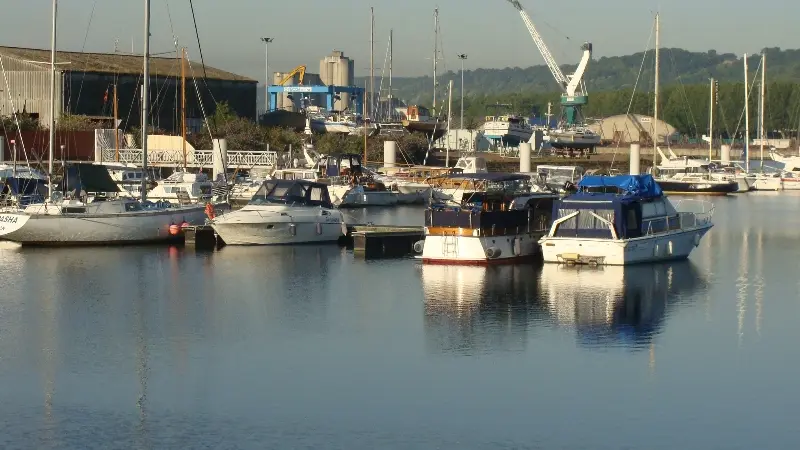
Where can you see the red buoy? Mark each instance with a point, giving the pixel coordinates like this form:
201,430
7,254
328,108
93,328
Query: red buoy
174,229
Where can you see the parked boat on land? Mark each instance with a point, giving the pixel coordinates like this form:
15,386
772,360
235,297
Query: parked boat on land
622,220
507,130
283,212
499,220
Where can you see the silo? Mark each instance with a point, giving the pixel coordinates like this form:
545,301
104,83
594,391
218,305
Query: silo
337,70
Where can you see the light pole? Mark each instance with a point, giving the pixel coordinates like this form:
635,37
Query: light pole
462,57
266,41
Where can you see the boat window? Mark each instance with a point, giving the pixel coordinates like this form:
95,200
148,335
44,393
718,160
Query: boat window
571,223
316,194
205,190
632,224
661,210
288,176
73,210
133,206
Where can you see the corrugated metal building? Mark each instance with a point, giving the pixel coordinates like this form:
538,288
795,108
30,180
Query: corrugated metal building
85,84
631,128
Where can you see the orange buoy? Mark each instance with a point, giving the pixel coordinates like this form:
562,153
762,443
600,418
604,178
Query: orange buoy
174,229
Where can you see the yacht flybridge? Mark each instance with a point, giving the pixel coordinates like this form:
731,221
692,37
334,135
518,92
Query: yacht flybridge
498,220
622,220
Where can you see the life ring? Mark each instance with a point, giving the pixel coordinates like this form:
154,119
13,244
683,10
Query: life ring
210,211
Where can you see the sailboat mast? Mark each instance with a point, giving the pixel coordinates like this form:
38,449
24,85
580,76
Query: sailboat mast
52,124
761,105
145,95
183,103
711,120
449,116
435,53
391,55
372,61
746,119
116,126
655,106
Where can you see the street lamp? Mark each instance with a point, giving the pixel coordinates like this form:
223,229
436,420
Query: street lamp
462,57
266,41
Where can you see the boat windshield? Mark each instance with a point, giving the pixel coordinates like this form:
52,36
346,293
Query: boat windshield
291,193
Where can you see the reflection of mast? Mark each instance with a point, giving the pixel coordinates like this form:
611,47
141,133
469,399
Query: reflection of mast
741,284
759,280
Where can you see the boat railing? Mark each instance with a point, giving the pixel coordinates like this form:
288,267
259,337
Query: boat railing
694,212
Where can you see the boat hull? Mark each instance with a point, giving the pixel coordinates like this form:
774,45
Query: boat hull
697,188
278,234
654,248
572,140
473,250
107,229
767,184
790,184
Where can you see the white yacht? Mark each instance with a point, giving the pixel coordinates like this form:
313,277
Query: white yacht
283,212
622,220
498,220
196,187
90,214
790,176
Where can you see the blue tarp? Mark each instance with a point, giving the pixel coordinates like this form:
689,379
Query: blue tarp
634,185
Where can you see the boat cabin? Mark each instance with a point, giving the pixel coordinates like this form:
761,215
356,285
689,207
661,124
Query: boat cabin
295,174
292,193
618,207
416,173
344,165
417,113
490,206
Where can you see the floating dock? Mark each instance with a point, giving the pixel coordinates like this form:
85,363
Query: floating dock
367,241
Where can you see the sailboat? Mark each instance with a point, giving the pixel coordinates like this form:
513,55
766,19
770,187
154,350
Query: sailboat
762,181
92,213
419,119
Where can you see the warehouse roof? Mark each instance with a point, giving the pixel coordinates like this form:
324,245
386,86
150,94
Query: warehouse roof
119,63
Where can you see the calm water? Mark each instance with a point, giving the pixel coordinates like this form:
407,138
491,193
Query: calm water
308,347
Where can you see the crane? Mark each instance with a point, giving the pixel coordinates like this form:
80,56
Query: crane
299,70
574,94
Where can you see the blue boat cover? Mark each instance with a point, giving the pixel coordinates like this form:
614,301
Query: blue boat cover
629,185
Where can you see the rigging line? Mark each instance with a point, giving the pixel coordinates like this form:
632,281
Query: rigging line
683,90
203,62
83,48
133,100
205,119
14,112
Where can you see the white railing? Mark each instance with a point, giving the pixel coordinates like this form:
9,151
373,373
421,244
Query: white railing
194,158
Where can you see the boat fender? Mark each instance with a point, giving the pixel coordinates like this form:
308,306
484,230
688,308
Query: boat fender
493,252
419,246
319,228
210,211
174,229
696,240
292,229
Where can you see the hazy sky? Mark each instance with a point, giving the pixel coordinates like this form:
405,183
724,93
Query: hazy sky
490,31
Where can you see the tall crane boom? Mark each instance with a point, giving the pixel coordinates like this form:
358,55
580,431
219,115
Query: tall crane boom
537,39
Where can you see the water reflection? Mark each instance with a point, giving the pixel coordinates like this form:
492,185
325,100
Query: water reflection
471,309
617,306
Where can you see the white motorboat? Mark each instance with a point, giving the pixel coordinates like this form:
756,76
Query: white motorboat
94,219
765,181
507,130
283,212
790,175
196,187
498,221
622,220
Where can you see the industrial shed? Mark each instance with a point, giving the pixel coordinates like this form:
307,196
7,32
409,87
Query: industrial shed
631,128
85,85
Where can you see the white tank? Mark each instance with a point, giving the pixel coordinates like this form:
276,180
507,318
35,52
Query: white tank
389,153
725,154
525,157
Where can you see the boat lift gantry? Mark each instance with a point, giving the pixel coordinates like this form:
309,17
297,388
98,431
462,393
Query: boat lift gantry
331,94
574,94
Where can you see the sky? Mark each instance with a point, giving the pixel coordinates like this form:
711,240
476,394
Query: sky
491,32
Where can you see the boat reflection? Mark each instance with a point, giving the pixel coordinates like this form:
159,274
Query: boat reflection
617,306
476,309
471,310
